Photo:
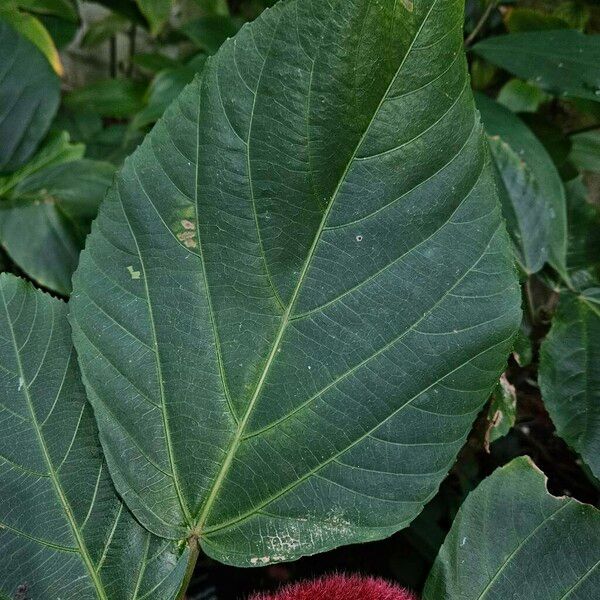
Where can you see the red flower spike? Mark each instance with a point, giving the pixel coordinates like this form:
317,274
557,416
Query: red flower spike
340,587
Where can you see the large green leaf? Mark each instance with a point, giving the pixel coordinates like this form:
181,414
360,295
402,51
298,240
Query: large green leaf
29,96
64,533
570,375
540,170
299,293
46,216
564,62
512,539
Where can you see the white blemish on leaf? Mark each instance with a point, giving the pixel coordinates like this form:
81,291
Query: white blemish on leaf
134,274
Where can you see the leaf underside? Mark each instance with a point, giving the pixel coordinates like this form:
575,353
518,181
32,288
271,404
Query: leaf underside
64,533
299,292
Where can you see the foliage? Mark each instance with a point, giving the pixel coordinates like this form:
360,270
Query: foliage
296,323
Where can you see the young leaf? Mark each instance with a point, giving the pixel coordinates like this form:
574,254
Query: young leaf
29,97
570,375
64,533
299,292
501,122
44,220
562,62
512,539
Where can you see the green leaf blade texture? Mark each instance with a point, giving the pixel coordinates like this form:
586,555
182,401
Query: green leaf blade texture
64,533
511,538
299,292
29,97
570,375
563,62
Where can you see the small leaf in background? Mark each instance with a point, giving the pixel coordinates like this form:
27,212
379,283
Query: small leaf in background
502,413
164,88
512,539
541,174
109,98
64,532
209,33
154,62
63,9
562,62
519,96
57,149
31,28
99,31
45,218
576,13
157,13
29,98
585,152
570,375
525,208
583,255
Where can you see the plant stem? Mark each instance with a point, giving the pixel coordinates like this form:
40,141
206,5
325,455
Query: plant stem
194,552
484,17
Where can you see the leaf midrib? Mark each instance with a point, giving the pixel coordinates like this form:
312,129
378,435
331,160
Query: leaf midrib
83,551
237,439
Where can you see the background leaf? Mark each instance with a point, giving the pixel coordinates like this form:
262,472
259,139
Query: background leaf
501,122
29,96
563,62
279,311
511,537
526,209
156,12
108,98
64,533
570,376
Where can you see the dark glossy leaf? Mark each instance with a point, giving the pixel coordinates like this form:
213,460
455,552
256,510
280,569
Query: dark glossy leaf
29,97
108,98
299,293
64,533
562,62
512,539
501,122
570,375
